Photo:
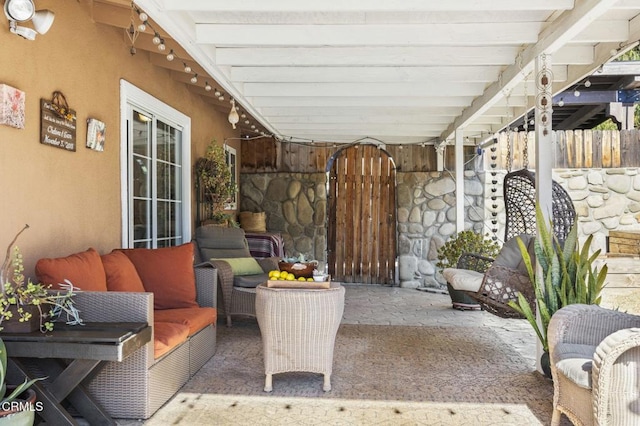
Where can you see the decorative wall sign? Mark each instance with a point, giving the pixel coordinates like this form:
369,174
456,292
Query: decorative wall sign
11,106
95,134
58,124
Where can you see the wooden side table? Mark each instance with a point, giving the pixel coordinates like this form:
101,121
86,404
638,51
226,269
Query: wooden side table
70,356
299,328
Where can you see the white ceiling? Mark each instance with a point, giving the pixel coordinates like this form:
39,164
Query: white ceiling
400,71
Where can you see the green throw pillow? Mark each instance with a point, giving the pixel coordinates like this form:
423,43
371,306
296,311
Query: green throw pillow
243,265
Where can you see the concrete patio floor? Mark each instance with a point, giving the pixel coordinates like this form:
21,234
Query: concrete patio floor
382,305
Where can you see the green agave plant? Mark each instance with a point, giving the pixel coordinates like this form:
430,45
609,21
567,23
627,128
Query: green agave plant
568,276
4,398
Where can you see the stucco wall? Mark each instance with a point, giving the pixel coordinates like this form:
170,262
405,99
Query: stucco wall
71,200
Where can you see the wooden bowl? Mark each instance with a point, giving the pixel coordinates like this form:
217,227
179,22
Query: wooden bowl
306,272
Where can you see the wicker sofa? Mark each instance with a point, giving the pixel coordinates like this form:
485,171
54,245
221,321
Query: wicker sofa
184,337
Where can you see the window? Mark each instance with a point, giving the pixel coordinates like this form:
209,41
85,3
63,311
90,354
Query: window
232,164
155,168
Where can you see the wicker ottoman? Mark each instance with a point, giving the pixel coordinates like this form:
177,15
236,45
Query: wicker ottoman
299,328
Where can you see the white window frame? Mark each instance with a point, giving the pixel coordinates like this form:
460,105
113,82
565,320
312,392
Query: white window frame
231,157
131,95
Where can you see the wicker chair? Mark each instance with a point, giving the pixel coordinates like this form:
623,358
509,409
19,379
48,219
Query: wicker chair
238,292
595,365
520,206
299,328
503,280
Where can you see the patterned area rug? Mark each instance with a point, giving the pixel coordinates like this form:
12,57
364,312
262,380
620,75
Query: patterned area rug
453,367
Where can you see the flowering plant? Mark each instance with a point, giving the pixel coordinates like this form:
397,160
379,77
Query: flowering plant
19,300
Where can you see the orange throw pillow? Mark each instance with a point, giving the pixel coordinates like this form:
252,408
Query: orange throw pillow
168,273
84,270
121,274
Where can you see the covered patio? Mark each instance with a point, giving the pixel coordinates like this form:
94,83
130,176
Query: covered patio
285,87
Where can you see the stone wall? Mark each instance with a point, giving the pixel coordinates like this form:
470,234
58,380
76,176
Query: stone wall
296,207
605,199
426,220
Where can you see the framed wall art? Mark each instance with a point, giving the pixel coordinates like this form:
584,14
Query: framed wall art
95,134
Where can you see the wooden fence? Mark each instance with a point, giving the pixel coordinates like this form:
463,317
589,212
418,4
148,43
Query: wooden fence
266,155
571,149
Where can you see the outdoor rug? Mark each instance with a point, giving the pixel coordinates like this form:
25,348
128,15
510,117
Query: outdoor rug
445,369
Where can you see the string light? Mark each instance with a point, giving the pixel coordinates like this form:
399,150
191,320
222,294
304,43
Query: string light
132,33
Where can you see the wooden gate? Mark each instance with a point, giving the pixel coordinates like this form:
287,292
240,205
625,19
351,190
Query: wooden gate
362,215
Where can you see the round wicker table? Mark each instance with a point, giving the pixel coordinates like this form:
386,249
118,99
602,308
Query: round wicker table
299,328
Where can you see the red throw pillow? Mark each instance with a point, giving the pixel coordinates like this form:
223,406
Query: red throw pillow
121,274
168,273
84,270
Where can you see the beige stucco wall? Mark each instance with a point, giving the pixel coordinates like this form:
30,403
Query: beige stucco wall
71,200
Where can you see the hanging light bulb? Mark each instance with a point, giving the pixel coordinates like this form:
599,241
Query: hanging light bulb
233,114
161,46
143,16
253,126
194,79
221,98
587,83
576,93
243,115
142,27
217,93
246,122
156,38
207,87
187,68
171,56
561,102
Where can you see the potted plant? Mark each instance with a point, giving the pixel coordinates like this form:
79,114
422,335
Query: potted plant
28,306
464,242
17,403
214,179
568,275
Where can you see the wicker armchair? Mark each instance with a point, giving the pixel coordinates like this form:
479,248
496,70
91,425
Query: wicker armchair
520,206
503,280
238,292
595,365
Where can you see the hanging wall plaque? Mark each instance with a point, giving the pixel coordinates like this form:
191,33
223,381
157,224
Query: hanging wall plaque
58,124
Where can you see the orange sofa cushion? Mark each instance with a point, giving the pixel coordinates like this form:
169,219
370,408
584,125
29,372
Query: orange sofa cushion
195,318
168,273
166,336
120,272
84,270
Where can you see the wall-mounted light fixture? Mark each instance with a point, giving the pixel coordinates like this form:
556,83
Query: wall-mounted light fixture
19,11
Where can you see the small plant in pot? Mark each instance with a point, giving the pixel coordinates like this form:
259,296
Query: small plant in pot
26,306
464,242
214,179
17,403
